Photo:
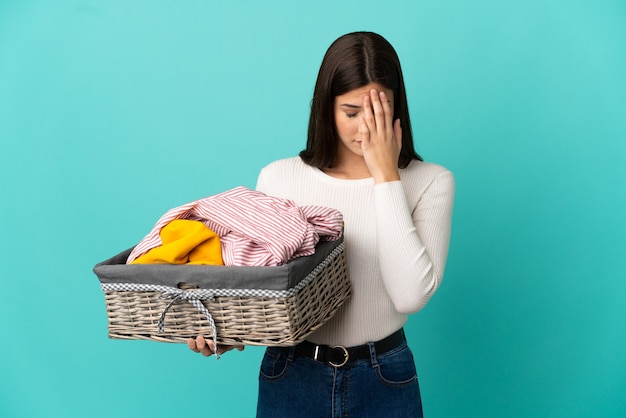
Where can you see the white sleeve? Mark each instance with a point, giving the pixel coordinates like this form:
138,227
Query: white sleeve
263,183
413,242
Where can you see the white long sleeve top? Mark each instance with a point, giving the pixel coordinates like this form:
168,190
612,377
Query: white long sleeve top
396,235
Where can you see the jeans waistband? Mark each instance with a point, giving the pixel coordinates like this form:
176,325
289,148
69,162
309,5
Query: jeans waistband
338,356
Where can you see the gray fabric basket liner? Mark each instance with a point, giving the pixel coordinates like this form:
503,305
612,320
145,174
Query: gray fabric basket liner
284,277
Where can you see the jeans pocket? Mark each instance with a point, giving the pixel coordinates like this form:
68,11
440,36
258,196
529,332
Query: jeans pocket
274,364
397,368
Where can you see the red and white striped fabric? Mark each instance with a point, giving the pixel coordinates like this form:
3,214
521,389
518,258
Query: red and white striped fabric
255,229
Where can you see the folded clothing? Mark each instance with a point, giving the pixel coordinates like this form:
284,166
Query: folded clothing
185,241
254,229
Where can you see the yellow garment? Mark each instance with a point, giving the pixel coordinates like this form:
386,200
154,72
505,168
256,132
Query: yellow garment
185,242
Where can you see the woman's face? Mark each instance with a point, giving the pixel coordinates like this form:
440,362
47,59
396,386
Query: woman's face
348,110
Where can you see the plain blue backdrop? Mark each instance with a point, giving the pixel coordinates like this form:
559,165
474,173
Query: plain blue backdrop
112,112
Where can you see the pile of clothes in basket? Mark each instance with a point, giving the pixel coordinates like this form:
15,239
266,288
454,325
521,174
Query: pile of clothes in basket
239,227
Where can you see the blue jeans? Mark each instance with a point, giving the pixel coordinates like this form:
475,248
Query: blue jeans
383,386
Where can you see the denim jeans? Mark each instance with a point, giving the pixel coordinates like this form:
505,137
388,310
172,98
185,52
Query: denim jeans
383,386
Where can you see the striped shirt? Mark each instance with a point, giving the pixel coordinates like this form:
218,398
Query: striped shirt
254,229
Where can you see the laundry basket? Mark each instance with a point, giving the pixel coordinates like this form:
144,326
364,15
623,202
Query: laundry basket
234,305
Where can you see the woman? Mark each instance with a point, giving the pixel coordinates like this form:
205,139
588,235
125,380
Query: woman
397,209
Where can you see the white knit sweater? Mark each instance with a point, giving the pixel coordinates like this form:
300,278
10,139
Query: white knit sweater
396,234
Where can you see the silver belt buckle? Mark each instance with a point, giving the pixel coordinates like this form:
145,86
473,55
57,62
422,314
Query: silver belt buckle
346,356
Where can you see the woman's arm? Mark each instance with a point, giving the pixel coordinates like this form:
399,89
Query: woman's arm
413,242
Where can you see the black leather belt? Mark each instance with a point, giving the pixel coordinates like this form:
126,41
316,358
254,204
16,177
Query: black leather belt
338,356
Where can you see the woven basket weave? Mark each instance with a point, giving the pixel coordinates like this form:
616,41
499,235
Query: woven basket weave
239,320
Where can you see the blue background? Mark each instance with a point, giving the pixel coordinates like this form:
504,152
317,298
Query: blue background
112,112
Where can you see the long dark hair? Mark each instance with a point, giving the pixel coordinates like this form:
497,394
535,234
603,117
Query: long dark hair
354,60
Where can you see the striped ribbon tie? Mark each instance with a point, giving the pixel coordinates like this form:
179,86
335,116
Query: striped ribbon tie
193,296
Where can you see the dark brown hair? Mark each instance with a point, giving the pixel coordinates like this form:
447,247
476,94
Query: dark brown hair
354,60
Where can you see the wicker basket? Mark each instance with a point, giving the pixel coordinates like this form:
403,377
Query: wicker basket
172,303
